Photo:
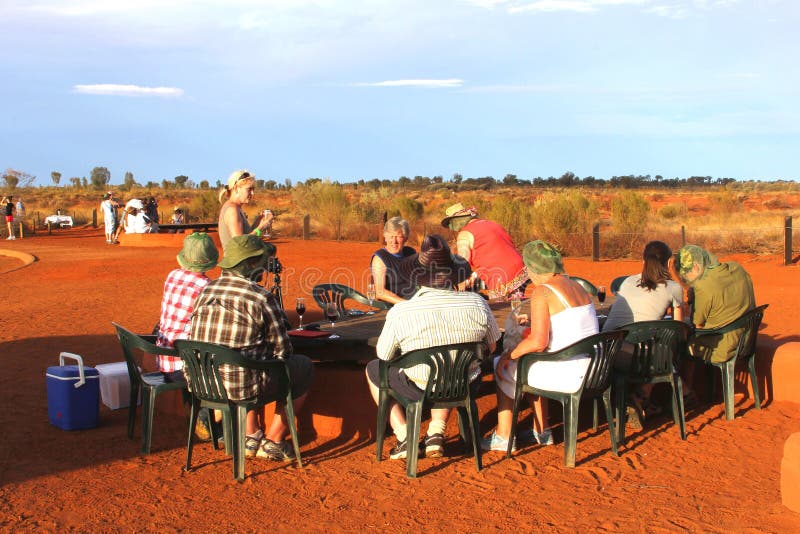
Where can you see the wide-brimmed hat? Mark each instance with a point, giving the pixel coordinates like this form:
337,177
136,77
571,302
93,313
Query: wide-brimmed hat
458,210
134,203
434,265
198,253
541,257
241,247
106,196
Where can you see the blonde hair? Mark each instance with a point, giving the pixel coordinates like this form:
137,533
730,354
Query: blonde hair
242,175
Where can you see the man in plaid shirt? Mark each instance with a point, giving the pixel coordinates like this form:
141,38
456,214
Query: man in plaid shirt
181,289
236,312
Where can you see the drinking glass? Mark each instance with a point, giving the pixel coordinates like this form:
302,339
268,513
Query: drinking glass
601,294
516,303
300,308
370,296
332,313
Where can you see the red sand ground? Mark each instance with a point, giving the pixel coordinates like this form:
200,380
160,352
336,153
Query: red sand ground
725,477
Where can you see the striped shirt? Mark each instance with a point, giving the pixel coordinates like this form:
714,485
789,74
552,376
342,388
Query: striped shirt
180,292
435,317
237,313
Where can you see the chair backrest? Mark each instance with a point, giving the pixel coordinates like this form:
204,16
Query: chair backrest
602,349
131,342
616,283
339,294
586,285
449,369
656,346
202,361
750,321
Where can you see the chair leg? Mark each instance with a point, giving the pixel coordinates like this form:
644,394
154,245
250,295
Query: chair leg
514,414
239,424
595,417
751,364
570,429
293,428
463,425
472,413
380,430
134,398
190,442
678,412
413,423
622,414
610,420
727,386
148,412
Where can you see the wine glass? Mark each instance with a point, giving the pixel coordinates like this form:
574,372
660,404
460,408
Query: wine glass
370,296
300,308
601,294
332,313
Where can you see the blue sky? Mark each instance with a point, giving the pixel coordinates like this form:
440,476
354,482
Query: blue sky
381,89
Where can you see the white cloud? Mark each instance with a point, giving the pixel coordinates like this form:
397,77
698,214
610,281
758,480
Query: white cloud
449,82
127,90
519,88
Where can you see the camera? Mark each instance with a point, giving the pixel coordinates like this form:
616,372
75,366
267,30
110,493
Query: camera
274,265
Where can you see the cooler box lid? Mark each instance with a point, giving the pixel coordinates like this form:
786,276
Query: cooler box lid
68,372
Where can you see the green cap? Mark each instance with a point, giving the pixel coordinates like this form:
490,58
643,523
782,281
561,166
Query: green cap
542,257
241,247
198,253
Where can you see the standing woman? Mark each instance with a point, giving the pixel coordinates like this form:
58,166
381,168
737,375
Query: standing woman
232,219
8,206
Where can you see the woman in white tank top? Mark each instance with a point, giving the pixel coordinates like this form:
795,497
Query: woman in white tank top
561,313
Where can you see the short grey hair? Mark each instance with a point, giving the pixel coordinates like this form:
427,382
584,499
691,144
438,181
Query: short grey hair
396,223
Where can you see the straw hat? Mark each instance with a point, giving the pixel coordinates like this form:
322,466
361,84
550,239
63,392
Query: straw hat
457,210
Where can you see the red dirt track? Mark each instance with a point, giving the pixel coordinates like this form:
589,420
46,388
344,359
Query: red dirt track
724,478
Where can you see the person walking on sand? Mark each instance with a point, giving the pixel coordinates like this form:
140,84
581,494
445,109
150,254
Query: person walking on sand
8,206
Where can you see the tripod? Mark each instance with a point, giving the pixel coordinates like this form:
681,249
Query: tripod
276,287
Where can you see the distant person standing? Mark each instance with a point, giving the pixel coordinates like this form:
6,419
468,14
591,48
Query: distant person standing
8,206
108,207
151,210
232,219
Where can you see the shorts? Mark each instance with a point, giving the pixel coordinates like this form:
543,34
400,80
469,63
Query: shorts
404,386
9,218
301,374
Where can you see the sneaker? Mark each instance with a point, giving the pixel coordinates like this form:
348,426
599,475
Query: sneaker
252,445
434,446
399,451
10,238
278,452
496,443
544,438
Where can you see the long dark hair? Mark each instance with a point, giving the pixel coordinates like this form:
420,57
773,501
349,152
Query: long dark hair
656,260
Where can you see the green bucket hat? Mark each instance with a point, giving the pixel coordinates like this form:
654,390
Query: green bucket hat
198,253
542,257
241,247
689,255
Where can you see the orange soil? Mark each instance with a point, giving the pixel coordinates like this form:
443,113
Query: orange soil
725,477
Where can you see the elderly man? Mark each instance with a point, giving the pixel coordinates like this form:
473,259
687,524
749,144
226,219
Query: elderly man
236,312
390,285
722,293
435,315
489,250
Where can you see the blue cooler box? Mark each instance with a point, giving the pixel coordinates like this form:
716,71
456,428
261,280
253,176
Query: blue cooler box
73,394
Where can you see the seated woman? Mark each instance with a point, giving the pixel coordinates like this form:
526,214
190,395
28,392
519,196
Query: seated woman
390,285
645,297
561,314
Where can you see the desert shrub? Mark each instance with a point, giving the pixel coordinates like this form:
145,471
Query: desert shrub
776,203
408,208
671,211
327,202
629,212
514,215
726,202
203,207
564,219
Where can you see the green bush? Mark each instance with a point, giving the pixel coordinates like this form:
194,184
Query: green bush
326,201
629,212
203,207
672,211
565,220
407,208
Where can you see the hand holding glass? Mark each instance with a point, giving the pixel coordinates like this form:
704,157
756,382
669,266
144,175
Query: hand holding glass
300,308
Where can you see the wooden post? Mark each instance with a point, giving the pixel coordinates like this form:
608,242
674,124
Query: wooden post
94,218
683,236
49,228
306,227
787,241
596,242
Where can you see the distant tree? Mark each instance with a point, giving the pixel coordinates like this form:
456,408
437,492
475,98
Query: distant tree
457,178
128,183
404,181
288,183
18,178
76,182
166,184
100,177
11,180
151,185
180,181
204,184
437,179
56,177
510,179
84,182
271,185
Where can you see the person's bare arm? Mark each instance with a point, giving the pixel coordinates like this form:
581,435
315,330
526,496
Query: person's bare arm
379,279
464,243
539,338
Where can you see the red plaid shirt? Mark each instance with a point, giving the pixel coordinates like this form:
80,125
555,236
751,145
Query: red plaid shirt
180,292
